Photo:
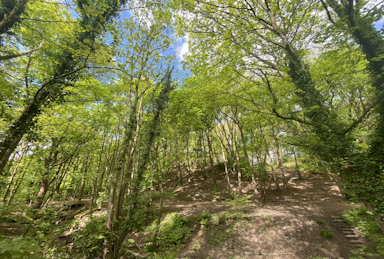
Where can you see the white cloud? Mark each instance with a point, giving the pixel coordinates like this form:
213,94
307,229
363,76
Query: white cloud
182,50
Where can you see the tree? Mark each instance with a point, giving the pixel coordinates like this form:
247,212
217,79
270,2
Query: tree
266,41
357,19
94,17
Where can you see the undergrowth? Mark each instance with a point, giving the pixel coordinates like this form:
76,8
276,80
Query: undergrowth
90,241
363,220
171,231
174,230
19,247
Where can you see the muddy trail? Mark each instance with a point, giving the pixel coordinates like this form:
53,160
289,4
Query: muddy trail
288,225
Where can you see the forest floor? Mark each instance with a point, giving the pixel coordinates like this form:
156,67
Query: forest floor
287,225
303,219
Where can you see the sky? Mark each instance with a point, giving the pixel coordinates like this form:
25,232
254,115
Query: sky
379,25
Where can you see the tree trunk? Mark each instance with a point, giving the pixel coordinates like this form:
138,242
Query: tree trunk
278,158
159,215
223,149
250,167
204,156
134,127
238,167
178,163
211,162
14,172
297,166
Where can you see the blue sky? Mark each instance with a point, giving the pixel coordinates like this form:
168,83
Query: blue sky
379,24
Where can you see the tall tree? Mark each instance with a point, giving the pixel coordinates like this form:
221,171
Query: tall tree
95,15
357,18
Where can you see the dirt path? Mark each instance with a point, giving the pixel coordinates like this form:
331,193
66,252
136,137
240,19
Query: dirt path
287,226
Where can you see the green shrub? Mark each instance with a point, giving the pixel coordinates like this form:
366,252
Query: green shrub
205,215
90,241
163,255
204,222
19,247
363,220
172,230
238,201
327,234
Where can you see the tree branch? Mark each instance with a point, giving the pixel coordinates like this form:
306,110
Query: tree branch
366,111
22,54
328,13
265,79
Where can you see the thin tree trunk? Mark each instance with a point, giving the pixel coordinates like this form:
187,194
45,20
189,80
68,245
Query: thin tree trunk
178,163
134,128
210,151
250,167
275,178
202,144
188,158
238,166
160,215
18,183
14,172
113,181
278,158
297,166
223,149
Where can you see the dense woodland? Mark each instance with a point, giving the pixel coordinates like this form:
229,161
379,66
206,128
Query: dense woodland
99,102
